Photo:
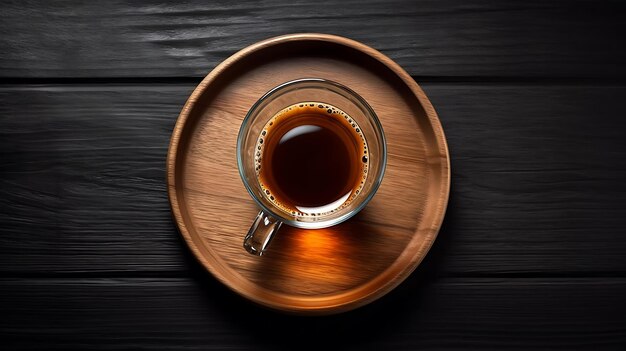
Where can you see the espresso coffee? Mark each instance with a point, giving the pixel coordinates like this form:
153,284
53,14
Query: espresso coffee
311,159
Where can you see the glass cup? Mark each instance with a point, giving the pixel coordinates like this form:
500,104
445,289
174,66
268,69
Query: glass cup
271,217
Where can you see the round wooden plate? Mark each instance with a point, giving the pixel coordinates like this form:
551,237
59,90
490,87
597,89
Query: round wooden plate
309,271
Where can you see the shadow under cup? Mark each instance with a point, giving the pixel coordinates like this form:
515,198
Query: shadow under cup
271,217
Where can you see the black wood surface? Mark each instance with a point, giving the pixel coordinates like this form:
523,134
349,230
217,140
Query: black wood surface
532,252
429,38
197,314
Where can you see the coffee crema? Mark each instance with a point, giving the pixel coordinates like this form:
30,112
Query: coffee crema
311,159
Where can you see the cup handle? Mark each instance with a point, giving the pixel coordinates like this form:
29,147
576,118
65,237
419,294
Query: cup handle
260,234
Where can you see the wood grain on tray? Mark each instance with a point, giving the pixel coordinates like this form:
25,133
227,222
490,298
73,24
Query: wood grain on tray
309,271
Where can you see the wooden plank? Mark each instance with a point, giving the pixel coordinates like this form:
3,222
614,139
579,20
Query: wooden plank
537,180
83,175
196,313
429,38
537,172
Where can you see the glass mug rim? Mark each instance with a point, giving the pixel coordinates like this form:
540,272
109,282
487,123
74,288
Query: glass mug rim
269,218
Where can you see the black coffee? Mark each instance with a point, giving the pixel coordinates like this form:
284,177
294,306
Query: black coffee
311,159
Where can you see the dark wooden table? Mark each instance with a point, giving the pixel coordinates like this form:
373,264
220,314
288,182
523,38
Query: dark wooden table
532,253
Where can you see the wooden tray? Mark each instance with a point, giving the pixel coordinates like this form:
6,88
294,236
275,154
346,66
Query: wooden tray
309,271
